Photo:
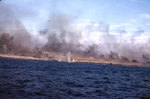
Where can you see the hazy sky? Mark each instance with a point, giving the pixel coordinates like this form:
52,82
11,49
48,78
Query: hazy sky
120,15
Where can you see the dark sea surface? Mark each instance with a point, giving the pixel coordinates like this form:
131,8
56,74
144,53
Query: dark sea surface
29,79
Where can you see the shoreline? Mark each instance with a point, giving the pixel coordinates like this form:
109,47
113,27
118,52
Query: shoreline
77,60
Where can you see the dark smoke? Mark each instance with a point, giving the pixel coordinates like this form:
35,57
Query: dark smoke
62,37
14,38
63,34
6,43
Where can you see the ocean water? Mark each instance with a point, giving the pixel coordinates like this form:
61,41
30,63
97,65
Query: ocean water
29,79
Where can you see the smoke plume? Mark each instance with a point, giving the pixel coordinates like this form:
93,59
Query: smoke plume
94,40
14,38
62,33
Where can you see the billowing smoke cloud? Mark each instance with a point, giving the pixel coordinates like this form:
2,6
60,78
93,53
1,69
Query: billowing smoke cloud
95,39
14,38
63,34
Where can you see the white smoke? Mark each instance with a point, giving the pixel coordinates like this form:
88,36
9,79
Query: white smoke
63,33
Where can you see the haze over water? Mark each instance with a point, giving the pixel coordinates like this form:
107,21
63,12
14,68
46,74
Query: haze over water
100,31
114,29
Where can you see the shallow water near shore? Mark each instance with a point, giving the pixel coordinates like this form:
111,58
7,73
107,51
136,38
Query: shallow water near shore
60,80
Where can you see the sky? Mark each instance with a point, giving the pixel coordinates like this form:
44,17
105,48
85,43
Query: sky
121,16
